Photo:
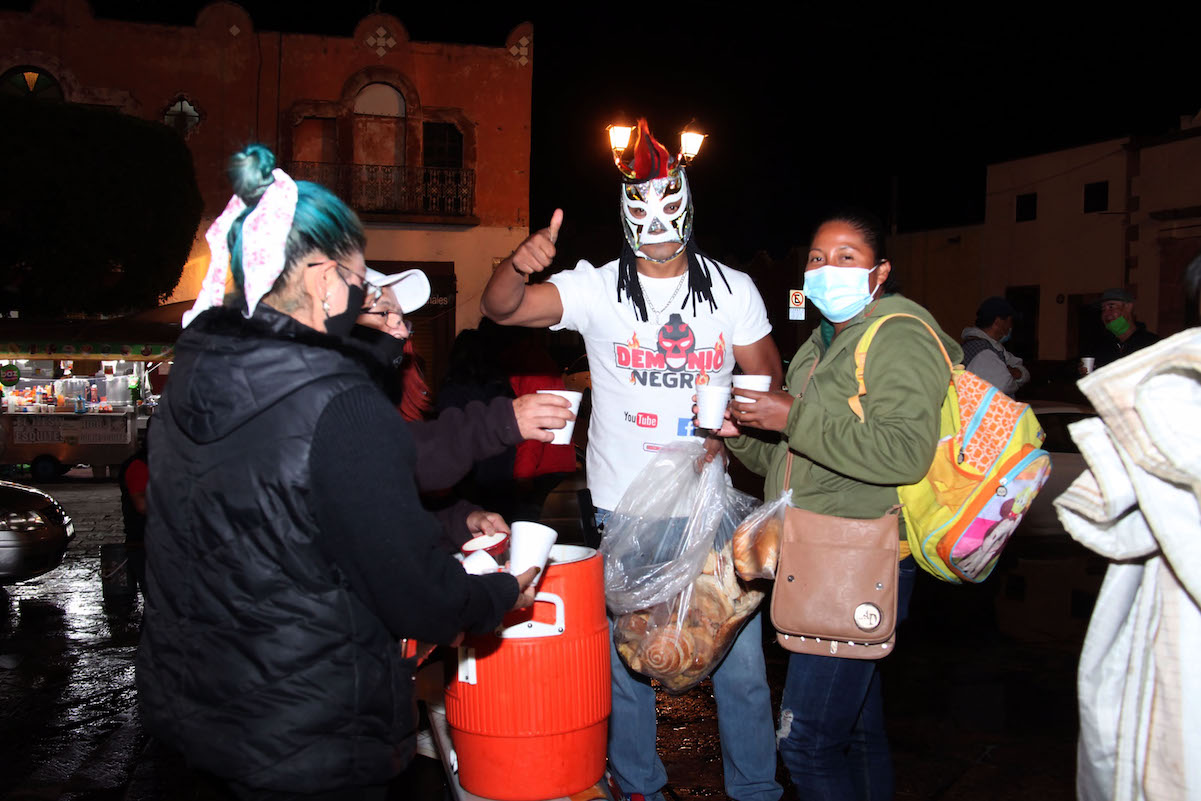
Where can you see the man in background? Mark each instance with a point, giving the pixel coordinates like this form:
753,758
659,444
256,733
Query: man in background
1126,334
984,350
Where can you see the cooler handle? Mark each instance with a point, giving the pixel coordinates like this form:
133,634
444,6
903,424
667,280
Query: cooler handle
467,664
535,628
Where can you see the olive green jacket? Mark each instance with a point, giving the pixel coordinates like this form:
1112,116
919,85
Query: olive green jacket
842,466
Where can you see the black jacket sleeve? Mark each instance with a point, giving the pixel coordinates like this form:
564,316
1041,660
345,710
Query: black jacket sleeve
450,445
373,528
453,520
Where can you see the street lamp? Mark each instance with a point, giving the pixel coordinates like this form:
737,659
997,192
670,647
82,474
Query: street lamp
619,139
690,144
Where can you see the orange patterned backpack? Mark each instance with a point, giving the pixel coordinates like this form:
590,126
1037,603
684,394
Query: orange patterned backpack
987,470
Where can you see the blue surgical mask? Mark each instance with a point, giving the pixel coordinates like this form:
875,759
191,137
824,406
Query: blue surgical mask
1005,338
839,293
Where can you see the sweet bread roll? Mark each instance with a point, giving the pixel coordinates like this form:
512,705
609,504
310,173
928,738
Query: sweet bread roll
710,600
743,547
700,626
767,547
756,546
665,652
748,602
678,643
729,579
704,650
728,631
678,683
629,652
633,625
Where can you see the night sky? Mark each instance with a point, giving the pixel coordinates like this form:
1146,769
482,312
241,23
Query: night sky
806,109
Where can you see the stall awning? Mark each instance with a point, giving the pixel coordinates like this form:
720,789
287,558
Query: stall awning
120,338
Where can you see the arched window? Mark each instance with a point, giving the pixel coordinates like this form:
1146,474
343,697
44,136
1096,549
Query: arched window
28,81
181,115
378,175
379,100
379,126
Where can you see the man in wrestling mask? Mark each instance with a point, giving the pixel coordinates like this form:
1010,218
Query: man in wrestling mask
657,322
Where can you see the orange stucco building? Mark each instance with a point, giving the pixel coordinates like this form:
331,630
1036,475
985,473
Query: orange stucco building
429,142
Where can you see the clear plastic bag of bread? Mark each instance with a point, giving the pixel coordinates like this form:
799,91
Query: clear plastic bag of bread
756,543
681,641
659,536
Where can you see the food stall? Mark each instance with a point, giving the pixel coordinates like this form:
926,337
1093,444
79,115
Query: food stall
77,392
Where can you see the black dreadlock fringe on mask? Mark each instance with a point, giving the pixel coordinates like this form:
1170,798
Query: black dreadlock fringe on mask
700,279
627,281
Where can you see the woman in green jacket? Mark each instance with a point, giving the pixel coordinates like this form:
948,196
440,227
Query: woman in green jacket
831,716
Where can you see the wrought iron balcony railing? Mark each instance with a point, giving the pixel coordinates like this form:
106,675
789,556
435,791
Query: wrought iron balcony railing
386,189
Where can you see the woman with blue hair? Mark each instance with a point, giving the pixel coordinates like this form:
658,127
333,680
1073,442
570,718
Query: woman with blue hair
289,551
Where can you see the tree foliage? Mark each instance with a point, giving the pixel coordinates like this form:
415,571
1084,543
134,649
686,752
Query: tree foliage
98,211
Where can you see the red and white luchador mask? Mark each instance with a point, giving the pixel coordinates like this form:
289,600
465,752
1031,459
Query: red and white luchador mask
656,204
658,210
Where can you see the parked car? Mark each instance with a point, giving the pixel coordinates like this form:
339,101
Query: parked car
1066,465
34,532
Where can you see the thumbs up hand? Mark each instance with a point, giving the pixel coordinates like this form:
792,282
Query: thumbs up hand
537,252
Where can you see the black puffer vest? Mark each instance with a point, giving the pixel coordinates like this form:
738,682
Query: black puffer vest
974,346
256,660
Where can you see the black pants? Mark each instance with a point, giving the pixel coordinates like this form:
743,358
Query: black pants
135,566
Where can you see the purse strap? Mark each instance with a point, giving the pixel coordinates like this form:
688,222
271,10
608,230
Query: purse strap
800,395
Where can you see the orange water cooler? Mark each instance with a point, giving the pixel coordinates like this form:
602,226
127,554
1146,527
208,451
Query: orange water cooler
529,706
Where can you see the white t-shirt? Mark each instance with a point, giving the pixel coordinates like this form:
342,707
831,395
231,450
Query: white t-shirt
644,374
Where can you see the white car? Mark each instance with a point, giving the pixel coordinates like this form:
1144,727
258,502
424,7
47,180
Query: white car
34,532
1066,465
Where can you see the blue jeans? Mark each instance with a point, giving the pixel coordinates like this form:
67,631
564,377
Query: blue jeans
832,721
744,721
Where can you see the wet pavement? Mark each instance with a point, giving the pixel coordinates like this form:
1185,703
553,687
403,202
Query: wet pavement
70,721
980,694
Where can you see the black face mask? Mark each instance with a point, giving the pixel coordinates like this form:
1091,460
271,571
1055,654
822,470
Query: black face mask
340,325
389,350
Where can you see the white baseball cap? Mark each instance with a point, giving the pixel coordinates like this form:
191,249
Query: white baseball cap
412,288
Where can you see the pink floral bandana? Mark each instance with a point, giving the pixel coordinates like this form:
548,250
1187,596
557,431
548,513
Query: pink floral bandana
264,236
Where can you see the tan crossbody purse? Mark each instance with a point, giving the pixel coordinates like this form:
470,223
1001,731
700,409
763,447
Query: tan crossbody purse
836,582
